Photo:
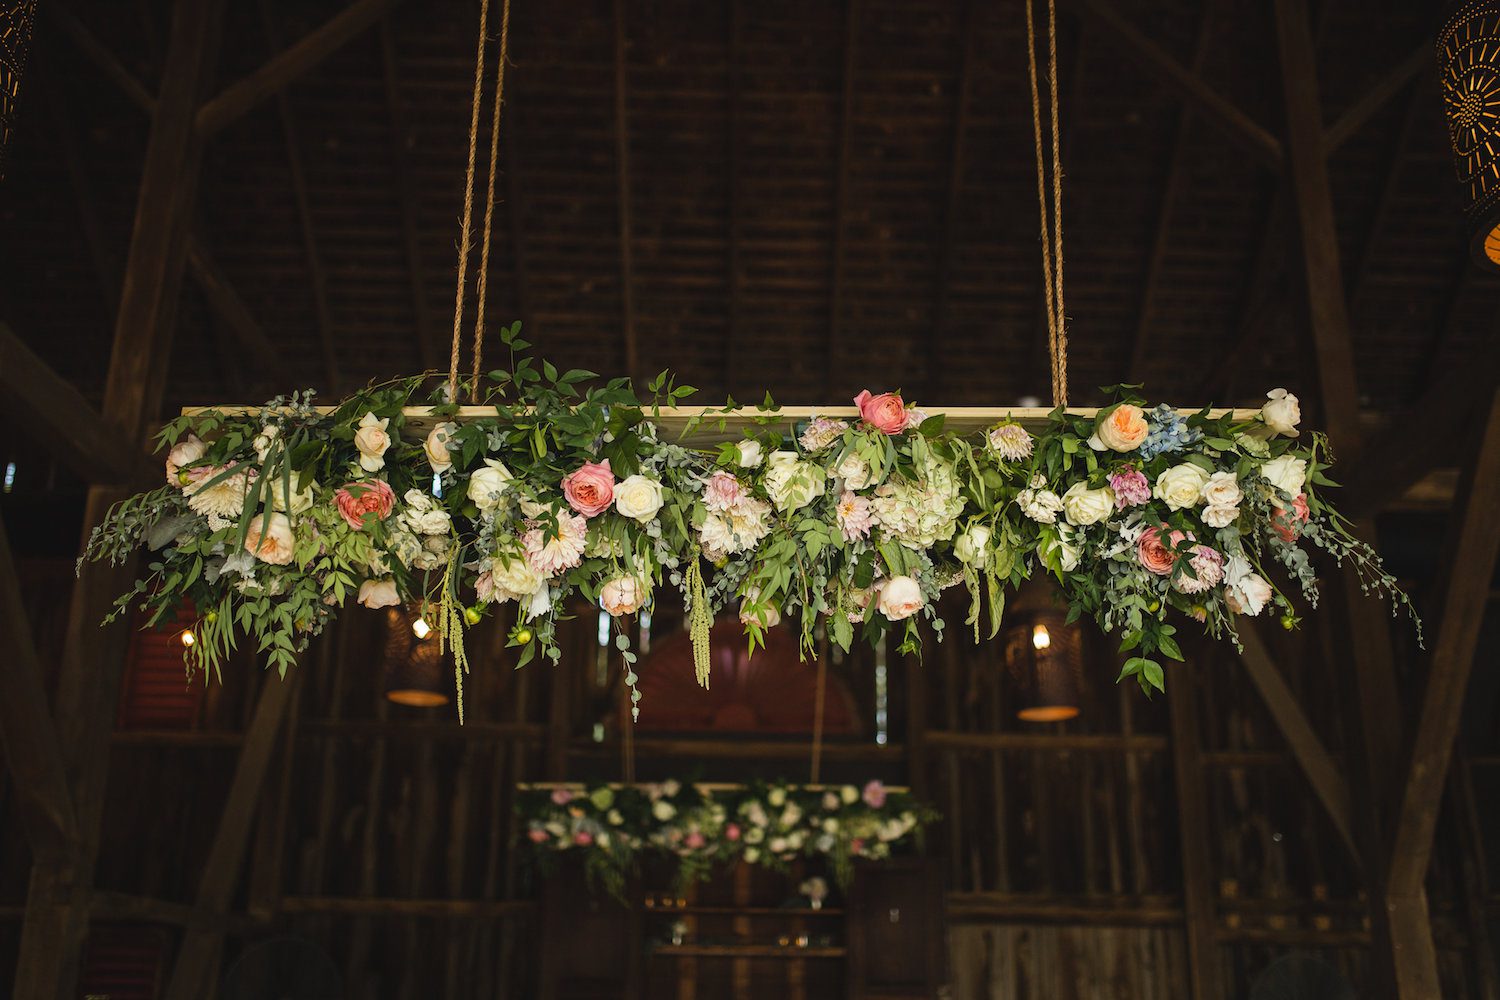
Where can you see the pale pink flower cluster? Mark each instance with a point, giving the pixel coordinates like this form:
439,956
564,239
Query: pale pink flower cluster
736,520
822,432
556,555
722,492
855,516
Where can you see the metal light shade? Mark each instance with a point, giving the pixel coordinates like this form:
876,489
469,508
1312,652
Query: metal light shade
414,673
1043,656
1468,53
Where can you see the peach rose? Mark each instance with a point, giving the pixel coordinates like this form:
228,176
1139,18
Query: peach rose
623,596
270,542
590,489
885,412
368,496
1153,551
901,597
436,447
375,594
1289,525
1124,429
371,439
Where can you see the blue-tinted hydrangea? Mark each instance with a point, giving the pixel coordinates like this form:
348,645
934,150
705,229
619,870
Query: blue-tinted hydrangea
1169,432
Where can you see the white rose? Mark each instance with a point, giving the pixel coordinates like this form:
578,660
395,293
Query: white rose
973,547
849,794
183,454
375,594
372,441
791,483
488,485
436,447
638,497
777,797
766,616
1281,412
301,498
777,845
1181,486
1067,549
750,453
663,810
901,597
1222,490
429,522
854,471
1217,516
1085,506
1286,473
514,579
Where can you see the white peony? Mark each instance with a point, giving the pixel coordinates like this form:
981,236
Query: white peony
1286,473
487,486
638,497
1085,506
792,483
371,439
901,597
1281,412
750,454
1181,486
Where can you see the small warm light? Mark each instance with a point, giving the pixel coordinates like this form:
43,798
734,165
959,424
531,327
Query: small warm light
1040,637
188,638
420,628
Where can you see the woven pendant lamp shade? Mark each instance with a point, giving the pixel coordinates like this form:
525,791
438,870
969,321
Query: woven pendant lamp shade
1468,53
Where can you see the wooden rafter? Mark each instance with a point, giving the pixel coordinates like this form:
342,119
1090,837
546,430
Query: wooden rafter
315,269
100,55
1390,182
968,28
622,189
1260,295
401,140
232,310
1215,109
287,65
841,194
1470,566
1376,98
1176,163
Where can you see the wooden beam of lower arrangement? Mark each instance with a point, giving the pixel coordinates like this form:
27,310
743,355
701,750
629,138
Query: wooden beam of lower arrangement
275,74
45,405
1311,756
198,957
1216,110
1472,549
27,735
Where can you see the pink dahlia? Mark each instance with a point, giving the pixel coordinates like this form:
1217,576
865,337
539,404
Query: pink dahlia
1131,488
553,553
1208,570
855,516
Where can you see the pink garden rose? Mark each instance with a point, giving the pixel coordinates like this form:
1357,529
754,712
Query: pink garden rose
1289,525
359,499
1131,487
732,831
561,796
694,841
1208,570
583,838
537,835
885,412
1153,551
874,795
591,489
722,492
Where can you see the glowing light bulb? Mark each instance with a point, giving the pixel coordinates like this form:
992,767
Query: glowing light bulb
420,628
1040,637
187,637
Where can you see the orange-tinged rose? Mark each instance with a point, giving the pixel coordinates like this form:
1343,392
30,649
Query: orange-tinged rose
1124,429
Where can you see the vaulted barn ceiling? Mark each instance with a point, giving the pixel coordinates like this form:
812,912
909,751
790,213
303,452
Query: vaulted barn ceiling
807,196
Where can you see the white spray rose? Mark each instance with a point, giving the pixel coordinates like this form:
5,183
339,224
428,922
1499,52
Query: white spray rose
972,548
371,439
854,471
1222,490
750,454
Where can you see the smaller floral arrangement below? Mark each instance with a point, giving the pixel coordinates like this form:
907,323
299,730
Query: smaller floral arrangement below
613,827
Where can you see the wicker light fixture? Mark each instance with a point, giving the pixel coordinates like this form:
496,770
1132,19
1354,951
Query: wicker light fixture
1043,656
1468,52
414,671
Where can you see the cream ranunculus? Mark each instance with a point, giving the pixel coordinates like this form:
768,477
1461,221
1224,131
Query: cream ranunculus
183,454
270,542
372,441
972,548
900,598
436,447
1222,490
1181,486
638,497
854,471
375,594
1281,412
750,453
1082,505
1286,473
792,483
623,596
487,486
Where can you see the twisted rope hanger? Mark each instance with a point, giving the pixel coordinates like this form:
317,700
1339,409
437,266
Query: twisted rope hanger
489,205
1052,239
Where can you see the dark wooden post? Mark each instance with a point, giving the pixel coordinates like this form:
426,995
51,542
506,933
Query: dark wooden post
1192,824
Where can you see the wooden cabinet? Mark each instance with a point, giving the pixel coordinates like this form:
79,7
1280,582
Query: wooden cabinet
897,932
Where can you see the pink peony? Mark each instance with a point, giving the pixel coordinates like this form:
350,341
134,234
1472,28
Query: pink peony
537,835
356,501
583,838
885,412
874,795
1208,570
1154,553
722,492
561,796
1289,526
855,517
591,489
1131,487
